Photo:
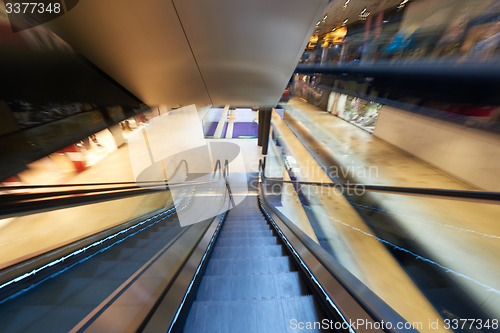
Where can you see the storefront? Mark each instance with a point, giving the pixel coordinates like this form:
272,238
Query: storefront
357,111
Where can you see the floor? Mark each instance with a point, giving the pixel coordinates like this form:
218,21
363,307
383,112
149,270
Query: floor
461,238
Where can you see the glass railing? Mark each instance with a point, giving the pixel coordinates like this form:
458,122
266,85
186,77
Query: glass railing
31,233
423,252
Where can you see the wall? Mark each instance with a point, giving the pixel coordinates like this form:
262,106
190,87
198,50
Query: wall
470,155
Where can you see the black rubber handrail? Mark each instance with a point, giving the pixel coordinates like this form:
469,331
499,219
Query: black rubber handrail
5,199
12,205
226,178
18,197
475,196
22,187
152,182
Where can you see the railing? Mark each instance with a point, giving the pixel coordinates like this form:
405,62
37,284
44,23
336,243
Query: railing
429,242
473,196
15,201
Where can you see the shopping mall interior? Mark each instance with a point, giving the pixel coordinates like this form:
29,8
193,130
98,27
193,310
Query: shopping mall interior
250,166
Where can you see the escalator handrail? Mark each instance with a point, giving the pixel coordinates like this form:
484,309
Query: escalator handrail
177,169
13,203
463,195
44,186
226,179
217,167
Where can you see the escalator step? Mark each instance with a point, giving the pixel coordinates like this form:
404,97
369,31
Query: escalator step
252,286
244,233
235,242
249,266
249,217
246,223
247,252
245,227
264,315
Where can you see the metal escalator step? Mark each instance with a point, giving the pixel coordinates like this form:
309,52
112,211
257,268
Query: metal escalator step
245,227
247,252
245,223
249,216
263,315
243,233
240,241
252,286
241,266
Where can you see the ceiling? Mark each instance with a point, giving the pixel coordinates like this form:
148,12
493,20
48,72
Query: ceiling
338,11
180,52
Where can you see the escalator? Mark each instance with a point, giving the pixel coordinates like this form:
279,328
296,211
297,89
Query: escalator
248,269
250,283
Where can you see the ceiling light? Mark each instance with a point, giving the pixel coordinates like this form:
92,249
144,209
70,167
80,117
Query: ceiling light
402,4
364,14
